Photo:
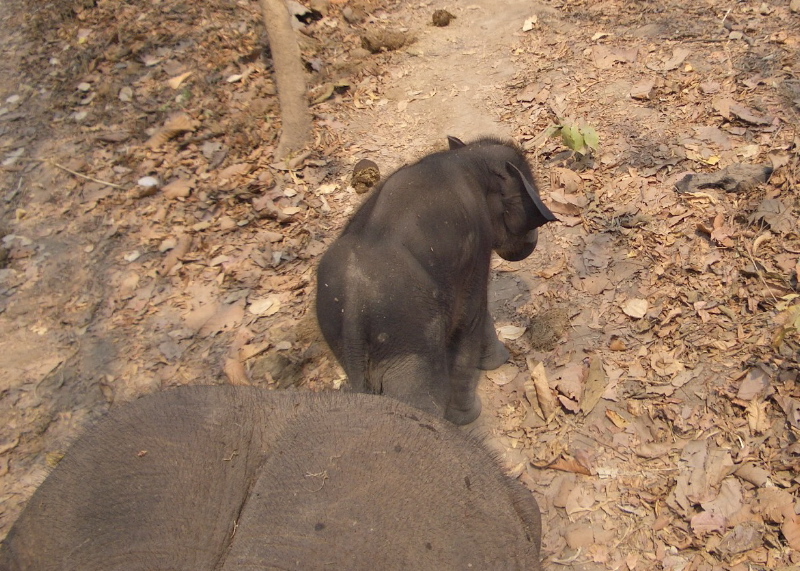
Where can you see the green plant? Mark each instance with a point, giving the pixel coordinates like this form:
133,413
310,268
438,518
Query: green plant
579,137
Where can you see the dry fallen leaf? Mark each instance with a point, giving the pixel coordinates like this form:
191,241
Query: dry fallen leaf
707,522
510,332
544,395
678,55
605,57
791,530
175,82
744,537
571,465
181,249
635,307
643,89
757,417
265,307
503,375
167,244
595,385
616,418
235,371
658,449
173,127
617,344
179,188
580,498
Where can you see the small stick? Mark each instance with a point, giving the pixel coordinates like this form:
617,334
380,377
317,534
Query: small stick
72,172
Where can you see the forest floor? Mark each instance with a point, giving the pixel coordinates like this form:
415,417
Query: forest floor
661,429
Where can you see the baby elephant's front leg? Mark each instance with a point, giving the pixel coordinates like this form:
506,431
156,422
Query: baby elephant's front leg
493,352
464,405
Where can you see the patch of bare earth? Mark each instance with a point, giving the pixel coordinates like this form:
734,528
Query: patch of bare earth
652,401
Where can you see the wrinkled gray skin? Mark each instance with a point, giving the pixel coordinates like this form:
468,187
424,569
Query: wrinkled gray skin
224,478
402,293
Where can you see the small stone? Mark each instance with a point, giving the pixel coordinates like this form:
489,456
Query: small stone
794,6
148,181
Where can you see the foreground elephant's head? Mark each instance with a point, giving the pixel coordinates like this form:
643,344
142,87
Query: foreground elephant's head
516,211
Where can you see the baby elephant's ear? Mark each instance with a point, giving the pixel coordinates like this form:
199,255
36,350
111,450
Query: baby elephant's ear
542,215
455,142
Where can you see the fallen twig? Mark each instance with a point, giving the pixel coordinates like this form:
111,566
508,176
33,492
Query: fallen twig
72,172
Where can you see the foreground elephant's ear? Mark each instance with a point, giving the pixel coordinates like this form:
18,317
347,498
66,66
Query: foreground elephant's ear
543,215
455,142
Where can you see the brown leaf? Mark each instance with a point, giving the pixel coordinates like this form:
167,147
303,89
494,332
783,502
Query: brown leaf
235,371
707,522
635,307
605,57
721,233
749,472
178,188
569,404
570,465
678,55
756,384
757,418
175,82
569,380
643,89
743,537
748,115
503,375
615,417
544,394
595,385
722,105
567,179
173,127
617,344
237,169
580,499
790,528
791,408
180,250
658,449
225,318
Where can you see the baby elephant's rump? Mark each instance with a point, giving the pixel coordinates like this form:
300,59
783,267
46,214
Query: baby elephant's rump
402,293
231,478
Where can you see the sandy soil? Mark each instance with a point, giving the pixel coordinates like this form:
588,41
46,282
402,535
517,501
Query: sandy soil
660,430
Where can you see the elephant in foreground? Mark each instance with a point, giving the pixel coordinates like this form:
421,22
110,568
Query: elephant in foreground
218,478
402,293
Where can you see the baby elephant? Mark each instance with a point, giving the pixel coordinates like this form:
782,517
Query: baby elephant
402,293
231,478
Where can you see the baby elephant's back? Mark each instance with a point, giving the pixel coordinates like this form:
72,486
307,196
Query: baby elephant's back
241,478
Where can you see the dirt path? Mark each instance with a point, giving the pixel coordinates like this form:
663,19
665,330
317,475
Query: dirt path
665,322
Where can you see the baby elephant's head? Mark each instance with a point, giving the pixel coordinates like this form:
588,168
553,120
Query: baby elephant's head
523,212
515,208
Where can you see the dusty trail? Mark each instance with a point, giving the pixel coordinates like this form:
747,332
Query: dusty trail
665,323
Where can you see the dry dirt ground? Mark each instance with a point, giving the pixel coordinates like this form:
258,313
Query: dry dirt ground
652,403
